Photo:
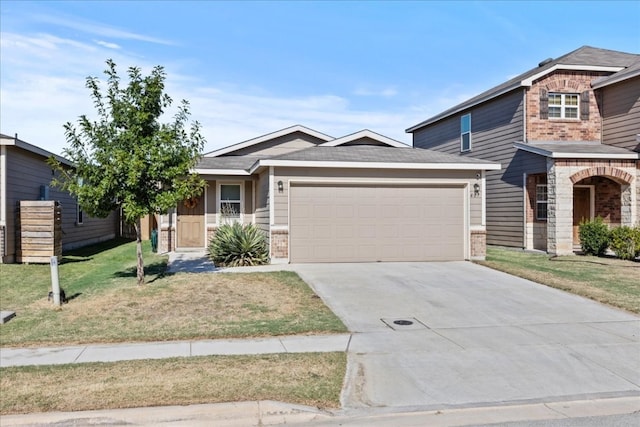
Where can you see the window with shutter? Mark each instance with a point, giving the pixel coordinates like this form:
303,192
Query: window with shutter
563,105
544,104
584,105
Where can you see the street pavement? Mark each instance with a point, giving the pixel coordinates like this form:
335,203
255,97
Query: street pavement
430,344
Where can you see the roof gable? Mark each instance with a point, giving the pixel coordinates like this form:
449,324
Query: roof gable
364,137
586,58
245,147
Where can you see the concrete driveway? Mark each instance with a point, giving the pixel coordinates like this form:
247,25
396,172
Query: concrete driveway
478,337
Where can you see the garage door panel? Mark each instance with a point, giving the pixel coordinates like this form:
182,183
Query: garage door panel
359,223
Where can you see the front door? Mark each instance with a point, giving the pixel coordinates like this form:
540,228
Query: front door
191,223
581,210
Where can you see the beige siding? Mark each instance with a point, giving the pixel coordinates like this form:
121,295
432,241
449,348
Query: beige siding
211,202
495,126
383,176
285,144
621,114
26,173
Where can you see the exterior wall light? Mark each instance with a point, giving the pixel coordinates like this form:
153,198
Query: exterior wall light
280,187
476,189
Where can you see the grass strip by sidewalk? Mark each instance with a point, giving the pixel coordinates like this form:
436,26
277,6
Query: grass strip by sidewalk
607,280
313,379
108,307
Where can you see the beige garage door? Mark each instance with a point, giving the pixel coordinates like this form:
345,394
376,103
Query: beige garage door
356,223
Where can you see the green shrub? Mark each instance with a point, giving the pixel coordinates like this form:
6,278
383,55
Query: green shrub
594,237
236,245
625,242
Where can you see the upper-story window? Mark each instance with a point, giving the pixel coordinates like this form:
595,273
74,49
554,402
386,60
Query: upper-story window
465,133
559,105
563,105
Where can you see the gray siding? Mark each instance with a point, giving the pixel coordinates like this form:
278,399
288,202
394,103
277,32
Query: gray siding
26,173
495,126
621,114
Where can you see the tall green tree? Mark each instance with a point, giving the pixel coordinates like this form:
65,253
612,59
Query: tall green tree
125,157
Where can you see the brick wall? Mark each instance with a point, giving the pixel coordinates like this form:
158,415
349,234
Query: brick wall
2,243
279,244
563,129
167,240
532,181
608,200
478,244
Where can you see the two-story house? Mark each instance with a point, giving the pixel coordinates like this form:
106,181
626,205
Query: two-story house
567,134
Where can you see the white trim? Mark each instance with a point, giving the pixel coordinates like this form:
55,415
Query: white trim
483,202
554,155
525,234
279,228
239,172
219,183
365,133
375,165
206,223
271,196
467,221
529,80
267,137
3,188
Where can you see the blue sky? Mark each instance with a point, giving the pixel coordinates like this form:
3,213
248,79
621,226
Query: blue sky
249,68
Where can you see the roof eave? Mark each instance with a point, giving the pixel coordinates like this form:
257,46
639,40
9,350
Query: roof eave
597,156
11,141
375,165
523,83
238,172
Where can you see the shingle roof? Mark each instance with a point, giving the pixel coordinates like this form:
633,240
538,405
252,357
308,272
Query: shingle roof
228,162
627,73
374,154
584,56
577,150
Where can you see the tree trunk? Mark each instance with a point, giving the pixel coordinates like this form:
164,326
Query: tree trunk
140,269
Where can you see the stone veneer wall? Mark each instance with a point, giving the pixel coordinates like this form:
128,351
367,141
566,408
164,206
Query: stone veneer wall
279,244
167,240
478,244
561,177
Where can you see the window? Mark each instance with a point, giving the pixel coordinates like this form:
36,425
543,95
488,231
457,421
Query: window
465,133
541,202
563,105
230,202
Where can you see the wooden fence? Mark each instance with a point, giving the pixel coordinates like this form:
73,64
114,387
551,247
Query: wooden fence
39,231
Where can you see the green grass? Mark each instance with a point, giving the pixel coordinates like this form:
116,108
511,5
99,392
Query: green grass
313,379
107,306
607,280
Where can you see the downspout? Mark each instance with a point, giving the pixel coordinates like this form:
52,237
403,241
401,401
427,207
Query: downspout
272,208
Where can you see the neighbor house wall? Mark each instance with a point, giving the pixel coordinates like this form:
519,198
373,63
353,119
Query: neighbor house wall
495,126
26,173
621,114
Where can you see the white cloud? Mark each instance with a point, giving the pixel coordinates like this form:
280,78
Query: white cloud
96,28
383,92
107,44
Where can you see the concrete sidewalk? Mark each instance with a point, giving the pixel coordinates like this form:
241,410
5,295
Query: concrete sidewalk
166,349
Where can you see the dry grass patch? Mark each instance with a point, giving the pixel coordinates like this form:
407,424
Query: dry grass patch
313,379
179,307
608,280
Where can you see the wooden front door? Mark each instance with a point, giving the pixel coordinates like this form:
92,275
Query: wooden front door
191,223
581,210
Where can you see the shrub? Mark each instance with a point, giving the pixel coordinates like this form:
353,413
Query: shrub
625,242
236,245
594,237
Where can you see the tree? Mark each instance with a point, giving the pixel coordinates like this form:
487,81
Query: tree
126,158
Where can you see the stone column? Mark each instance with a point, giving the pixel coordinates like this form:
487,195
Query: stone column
559,210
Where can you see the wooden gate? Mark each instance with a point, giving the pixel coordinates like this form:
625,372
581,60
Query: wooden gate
39,231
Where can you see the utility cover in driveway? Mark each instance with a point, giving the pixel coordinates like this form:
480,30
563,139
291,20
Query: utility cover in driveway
368,223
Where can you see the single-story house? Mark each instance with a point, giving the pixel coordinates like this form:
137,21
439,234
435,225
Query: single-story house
363,197
25,175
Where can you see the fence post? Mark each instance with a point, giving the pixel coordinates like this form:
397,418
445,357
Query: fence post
55,284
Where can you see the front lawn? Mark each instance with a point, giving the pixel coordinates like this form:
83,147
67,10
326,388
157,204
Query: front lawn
607,280
107,306
313,379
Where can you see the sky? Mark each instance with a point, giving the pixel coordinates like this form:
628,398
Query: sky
251,68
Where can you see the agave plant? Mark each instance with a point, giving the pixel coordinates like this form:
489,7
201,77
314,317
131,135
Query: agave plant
236,245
